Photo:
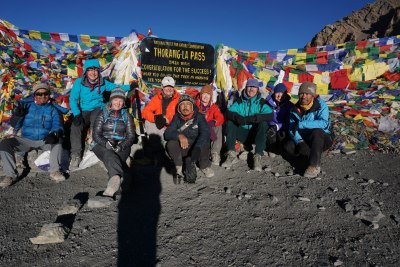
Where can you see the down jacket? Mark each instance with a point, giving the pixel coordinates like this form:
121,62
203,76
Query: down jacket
301,123
154,107
197,132
114,125
213,113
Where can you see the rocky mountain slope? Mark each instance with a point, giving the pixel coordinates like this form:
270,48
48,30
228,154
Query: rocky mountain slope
379,19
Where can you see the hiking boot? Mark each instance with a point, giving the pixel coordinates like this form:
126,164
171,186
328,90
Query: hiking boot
312,171
215,159
178,176
243,155
208,172
113,185
271,155
6,182
190,173
257,162
75,161
230,160
57,176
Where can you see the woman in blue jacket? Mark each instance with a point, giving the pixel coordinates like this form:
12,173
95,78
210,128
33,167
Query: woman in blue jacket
86,100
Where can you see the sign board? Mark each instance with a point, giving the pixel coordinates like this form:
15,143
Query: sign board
188,63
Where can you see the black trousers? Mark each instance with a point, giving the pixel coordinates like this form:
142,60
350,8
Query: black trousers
114,162
178,154
318,141
76,131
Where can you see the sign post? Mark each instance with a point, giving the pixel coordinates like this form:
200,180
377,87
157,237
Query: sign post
188,63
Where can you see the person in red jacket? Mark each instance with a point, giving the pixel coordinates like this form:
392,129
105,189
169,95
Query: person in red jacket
214,118
158,113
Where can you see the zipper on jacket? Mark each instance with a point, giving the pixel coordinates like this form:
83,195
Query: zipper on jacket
42,121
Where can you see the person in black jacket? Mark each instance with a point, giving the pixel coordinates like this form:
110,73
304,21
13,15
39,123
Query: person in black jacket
188,139
114,134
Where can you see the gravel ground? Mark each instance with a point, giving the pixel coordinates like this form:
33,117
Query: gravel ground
349,216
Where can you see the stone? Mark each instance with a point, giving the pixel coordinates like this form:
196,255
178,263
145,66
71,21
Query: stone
370,213
320,207
385,184
371,181
267,169
337,262
272,200
50,234
227,190
348,151
247,195
99,202
301,198
349,177
277,174
71,207
239,197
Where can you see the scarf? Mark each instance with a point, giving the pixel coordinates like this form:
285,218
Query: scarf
307,107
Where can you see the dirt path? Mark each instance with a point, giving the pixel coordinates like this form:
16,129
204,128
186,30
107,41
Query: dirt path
237,218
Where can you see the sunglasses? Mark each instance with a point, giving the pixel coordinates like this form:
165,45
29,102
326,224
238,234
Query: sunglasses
42,94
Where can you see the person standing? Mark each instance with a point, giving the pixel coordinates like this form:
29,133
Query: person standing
215,120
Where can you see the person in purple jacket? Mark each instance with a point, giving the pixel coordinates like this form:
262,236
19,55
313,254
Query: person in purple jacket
277,132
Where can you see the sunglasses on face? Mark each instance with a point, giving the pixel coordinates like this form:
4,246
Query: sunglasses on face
42,94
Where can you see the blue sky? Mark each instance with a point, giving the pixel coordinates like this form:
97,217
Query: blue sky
258,25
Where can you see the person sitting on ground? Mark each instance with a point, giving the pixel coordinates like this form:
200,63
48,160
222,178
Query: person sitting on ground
114,134
277,133
41,125
188,138
215,120
160,110
247,122
86,100
309,129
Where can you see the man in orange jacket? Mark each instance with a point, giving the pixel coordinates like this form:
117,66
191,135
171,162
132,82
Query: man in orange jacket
158,113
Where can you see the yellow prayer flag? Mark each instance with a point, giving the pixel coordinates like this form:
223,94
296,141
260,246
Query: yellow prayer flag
301,58
264,76
383,55
34,35
72,72
322,89
294,78
292,52
356,75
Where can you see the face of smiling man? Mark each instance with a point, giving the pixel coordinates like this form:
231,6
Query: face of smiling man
42,96
186,108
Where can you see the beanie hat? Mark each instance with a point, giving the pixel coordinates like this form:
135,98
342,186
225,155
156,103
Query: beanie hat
117,92
41,86
168,81
184,98
253,82
308,88
206,89
280,88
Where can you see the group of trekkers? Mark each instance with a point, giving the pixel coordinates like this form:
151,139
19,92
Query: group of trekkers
193,130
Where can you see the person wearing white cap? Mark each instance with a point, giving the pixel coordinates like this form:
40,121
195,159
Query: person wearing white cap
41,127
160,110
113,134
309,129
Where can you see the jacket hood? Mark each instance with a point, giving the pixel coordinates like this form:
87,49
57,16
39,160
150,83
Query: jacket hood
91,63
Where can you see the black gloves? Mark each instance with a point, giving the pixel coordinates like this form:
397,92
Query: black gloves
240,120
271,133
160,121
51,138
195,156
109,145
19,110
112,145
303,149
77,120
251,119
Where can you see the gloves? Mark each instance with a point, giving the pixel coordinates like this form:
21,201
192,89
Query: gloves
160,121
109,145
303,149
240,120
195,156
133,85
77,121
251,119
117,148
51,138
19,110
271,133
211,123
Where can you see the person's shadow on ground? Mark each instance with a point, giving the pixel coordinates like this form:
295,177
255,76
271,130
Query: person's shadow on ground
139,208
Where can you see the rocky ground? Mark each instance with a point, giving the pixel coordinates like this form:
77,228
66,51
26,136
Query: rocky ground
349,216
